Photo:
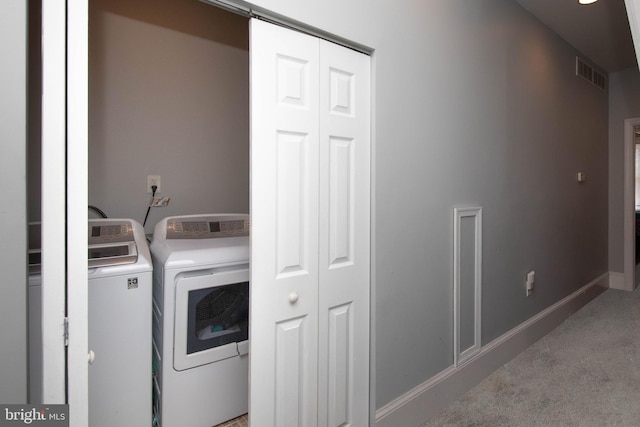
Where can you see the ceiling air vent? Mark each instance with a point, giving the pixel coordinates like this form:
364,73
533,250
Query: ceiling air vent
588,73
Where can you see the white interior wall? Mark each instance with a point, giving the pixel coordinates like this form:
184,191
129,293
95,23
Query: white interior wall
169,96
624,103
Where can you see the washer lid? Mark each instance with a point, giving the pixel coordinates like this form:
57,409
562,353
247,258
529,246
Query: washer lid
112,254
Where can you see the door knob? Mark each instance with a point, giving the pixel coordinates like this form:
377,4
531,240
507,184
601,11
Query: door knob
293,297
91,357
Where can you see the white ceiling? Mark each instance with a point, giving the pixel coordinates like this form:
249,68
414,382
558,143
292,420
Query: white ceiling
600,31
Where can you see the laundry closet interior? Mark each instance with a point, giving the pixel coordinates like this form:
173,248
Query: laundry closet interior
169,123
169,98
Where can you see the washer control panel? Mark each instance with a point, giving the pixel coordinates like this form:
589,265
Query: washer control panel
111,243
110,232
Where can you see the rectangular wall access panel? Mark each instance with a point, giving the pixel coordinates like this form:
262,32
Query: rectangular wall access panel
467,282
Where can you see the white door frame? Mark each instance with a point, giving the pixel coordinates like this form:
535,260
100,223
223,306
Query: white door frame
77,214
64,205
53,200
629,228
630,273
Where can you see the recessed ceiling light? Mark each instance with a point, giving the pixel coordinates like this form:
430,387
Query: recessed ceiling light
587,1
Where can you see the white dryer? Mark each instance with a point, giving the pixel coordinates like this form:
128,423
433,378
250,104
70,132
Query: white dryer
119,310
200,319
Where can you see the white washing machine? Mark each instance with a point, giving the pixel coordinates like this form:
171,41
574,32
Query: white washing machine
34,297
35,337
200,319
119,310
120,283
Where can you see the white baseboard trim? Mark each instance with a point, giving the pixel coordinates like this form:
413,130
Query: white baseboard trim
616,281
417,406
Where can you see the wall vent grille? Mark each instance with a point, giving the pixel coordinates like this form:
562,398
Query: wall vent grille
588,73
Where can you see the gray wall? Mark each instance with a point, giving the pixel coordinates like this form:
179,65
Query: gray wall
168,96
624,103
13,214
475,103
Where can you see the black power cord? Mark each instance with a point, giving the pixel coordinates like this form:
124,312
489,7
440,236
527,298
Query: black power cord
98,211
153,194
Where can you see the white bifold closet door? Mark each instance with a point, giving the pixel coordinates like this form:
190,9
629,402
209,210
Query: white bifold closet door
310,236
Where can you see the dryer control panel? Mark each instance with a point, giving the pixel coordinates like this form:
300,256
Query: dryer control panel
208,227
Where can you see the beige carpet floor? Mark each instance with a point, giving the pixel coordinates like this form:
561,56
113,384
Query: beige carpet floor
585,373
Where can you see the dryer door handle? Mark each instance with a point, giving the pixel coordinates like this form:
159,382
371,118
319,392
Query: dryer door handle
91,357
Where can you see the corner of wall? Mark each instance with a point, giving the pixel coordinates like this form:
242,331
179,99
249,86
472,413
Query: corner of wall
616,280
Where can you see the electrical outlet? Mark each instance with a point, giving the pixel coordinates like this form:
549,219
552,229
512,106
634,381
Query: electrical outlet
151,181
531,279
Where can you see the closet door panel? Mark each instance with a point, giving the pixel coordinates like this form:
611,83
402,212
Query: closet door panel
310,238
344,223
284,227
